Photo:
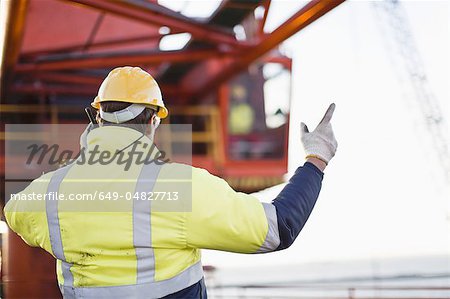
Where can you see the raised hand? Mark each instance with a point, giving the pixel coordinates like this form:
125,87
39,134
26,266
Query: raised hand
320,143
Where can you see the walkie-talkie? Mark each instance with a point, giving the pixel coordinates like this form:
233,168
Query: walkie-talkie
90,115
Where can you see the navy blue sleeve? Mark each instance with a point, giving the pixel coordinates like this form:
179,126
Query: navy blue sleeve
296,201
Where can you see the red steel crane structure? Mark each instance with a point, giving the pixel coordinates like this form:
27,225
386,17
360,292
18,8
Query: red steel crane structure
56,53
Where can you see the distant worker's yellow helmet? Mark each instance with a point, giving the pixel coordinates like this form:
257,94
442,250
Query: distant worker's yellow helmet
131,85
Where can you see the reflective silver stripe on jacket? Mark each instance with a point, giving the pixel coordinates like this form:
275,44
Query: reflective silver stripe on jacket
54,229
156,289
272,240
146,285
142,233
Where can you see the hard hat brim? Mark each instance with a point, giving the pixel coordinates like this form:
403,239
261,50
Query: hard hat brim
162,111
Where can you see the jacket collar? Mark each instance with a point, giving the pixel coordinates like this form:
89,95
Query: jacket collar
113,138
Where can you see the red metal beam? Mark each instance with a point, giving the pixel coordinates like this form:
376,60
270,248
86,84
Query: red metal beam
154,14
44,88
305,16
283,60
13,30
104,61
69,78
81,79
262,22
102,44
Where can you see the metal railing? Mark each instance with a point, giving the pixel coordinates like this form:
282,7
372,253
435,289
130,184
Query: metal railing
331,292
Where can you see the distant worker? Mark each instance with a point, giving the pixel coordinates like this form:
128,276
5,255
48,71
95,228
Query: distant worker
147,253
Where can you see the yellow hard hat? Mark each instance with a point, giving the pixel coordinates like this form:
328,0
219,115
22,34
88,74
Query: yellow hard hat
131,85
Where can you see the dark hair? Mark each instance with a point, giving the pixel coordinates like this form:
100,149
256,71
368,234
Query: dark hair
138,123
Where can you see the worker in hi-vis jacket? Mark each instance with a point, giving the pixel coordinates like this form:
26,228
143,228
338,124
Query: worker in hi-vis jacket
136,249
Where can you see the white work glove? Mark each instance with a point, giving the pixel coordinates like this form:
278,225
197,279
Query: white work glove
320,143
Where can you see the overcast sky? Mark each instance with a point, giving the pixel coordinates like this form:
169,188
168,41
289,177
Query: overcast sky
384,194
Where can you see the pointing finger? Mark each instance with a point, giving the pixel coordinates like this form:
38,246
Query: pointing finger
327,117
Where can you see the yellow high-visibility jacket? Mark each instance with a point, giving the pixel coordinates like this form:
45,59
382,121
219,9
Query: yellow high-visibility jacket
129,247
